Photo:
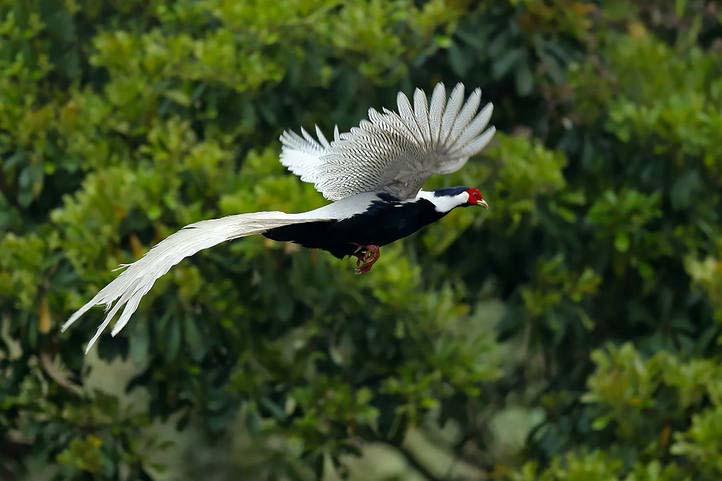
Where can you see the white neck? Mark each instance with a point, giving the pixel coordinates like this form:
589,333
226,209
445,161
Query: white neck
444,203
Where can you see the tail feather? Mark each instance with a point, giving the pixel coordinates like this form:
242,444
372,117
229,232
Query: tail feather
136,280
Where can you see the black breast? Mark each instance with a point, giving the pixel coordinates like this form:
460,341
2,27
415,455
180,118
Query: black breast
385,221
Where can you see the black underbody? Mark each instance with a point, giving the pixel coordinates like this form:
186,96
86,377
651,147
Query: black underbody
383,222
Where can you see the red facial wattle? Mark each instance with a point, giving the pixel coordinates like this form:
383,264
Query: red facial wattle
476,197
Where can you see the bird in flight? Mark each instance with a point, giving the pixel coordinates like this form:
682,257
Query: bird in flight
373,174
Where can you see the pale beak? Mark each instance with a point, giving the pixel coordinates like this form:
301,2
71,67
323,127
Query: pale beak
482,203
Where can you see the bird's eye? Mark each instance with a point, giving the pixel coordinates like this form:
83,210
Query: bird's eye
474,196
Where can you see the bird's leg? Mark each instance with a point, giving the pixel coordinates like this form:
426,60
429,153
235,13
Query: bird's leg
366,257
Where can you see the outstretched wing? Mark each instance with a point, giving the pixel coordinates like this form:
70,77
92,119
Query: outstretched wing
136,280
393,152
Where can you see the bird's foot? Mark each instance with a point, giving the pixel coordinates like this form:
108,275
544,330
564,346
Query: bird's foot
366,257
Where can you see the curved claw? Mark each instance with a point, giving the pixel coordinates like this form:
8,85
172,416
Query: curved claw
366,258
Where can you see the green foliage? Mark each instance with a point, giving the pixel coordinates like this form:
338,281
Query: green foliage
569,333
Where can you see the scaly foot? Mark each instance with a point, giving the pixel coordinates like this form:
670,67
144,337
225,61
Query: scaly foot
366,257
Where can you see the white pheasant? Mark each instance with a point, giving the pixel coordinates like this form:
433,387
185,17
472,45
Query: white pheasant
373,173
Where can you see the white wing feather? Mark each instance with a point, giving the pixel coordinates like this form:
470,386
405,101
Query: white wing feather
137,278
393,152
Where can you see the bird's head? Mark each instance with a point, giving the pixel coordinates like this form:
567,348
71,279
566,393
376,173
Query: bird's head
449,198
476,198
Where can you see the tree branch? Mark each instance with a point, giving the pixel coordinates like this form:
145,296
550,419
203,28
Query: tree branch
414,462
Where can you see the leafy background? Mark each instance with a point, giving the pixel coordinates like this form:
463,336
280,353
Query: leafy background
570,333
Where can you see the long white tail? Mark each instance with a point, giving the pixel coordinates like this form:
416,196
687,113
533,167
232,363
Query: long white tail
137,278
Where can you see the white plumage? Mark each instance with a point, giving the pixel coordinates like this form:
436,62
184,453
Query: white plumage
392,152
136,280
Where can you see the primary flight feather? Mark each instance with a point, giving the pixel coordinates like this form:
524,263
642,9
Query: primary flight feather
373,173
